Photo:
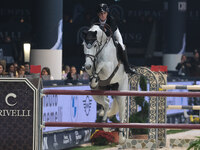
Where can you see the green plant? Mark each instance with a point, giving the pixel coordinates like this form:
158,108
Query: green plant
141,116
195,144
100,137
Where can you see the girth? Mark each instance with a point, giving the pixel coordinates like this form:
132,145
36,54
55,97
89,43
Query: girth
107,81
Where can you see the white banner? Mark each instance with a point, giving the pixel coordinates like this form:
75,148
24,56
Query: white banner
68,108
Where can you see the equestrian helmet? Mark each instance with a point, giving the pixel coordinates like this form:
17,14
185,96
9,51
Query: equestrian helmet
102,8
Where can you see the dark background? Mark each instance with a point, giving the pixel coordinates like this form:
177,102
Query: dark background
137,20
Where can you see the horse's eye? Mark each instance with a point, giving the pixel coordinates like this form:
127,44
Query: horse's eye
95,45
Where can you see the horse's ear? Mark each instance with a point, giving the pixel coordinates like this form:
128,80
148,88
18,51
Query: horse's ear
94,34
84,33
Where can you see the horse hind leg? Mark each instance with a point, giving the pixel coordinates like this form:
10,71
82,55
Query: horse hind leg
114,108
112,111
101,112
106,108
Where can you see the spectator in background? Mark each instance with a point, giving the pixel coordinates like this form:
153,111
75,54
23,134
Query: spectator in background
65,72
27,68
11,70
84,75
21,71
16,66
46,74
183,67
2,70
72,75
195,64
3,62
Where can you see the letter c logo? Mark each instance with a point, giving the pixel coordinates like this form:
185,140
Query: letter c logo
10,95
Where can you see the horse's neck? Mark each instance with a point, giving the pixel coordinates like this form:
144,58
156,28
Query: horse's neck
110,51
108,60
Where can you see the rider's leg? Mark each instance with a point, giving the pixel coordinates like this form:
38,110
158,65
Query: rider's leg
123,52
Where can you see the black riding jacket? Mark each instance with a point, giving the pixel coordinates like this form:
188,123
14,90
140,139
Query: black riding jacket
110,21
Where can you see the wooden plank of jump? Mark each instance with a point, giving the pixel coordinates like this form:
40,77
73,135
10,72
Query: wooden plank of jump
121,125
183,107
188,87
121,93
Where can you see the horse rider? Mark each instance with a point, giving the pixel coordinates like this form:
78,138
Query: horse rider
103,18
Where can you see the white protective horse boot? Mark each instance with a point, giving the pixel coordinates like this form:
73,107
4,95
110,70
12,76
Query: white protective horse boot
123,52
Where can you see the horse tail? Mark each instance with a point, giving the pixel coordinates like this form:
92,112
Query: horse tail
114,108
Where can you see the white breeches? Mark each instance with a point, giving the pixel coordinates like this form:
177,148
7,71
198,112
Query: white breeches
118,37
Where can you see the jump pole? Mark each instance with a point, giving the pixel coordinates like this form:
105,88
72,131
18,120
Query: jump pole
183,107
122,125
188,87
121,93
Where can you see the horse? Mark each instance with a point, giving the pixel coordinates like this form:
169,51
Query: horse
106,71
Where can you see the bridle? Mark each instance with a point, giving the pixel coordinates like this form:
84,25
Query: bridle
100,46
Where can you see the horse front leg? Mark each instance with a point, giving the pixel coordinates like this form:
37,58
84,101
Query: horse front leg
95,80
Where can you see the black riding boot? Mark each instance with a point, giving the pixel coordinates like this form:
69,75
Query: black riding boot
122,55
126,64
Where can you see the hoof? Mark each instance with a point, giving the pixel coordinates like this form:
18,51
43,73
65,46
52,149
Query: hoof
101,112
122,140
106,129
92,86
